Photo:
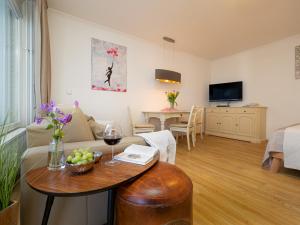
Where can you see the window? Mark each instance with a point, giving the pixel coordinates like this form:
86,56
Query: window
10,62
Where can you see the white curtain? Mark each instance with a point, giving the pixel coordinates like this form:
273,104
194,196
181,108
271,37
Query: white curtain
41,62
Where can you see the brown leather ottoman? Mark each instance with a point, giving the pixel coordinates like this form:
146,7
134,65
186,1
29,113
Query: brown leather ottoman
162,196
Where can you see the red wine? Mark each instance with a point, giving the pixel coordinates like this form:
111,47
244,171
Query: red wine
112,140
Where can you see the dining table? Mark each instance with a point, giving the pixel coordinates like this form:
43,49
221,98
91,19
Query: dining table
163,115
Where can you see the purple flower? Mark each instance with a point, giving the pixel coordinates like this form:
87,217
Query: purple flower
51,106
38,120
48,107
44,107
76,104
66,119
58,111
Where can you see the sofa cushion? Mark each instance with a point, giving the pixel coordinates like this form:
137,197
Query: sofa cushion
37,135
142,125
97,128
77,130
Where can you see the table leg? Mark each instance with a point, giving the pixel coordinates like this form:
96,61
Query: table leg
162,123
111,206
49,203
146,118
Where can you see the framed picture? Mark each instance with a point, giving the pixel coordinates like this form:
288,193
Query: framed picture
297,62
109,66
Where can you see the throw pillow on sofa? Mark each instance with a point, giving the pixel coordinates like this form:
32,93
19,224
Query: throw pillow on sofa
77,130
97,128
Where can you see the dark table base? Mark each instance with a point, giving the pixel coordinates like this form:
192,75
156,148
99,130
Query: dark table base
49,203
110,208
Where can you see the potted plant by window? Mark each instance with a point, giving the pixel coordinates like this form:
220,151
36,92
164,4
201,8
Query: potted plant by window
9,168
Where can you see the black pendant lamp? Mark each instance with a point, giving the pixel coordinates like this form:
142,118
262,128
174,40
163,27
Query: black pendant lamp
168,76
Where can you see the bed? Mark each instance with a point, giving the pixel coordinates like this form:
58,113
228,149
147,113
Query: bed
273,158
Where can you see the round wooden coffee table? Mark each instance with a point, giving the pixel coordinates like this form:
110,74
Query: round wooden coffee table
101,178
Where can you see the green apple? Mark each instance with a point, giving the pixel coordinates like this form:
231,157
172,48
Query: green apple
77,154
80,156
89,155
84,161
74,161
77,158
85,151
81,162
69,159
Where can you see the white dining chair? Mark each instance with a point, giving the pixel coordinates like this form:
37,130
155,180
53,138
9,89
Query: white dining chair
199,122
140,127
190,127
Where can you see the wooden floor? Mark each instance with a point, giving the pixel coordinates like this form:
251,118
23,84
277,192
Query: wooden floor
231,188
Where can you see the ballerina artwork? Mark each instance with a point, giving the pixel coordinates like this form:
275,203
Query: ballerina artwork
113,52
109,69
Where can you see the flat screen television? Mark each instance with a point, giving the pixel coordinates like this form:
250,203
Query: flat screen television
226,92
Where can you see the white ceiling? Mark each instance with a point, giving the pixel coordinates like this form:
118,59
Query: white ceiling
207,28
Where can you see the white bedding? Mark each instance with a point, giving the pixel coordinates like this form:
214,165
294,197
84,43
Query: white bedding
275,144
291,147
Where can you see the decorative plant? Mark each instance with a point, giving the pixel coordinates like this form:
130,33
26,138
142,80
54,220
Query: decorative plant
171,96
57,121
9,167
56,118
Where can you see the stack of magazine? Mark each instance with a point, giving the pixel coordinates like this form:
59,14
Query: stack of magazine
138,154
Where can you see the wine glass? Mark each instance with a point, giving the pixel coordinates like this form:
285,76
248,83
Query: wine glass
112,136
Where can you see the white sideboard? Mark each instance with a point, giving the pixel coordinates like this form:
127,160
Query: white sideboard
242,123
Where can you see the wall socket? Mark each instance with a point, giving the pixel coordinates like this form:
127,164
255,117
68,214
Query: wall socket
69,92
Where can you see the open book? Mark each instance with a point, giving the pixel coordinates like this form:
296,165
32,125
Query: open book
138,154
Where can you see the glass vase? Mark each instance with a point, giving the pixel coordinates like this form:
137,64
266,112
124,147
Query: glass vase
172,104
56,156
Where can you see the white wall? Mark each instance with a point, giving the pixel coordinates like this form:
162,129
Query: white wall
268,73
70,39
